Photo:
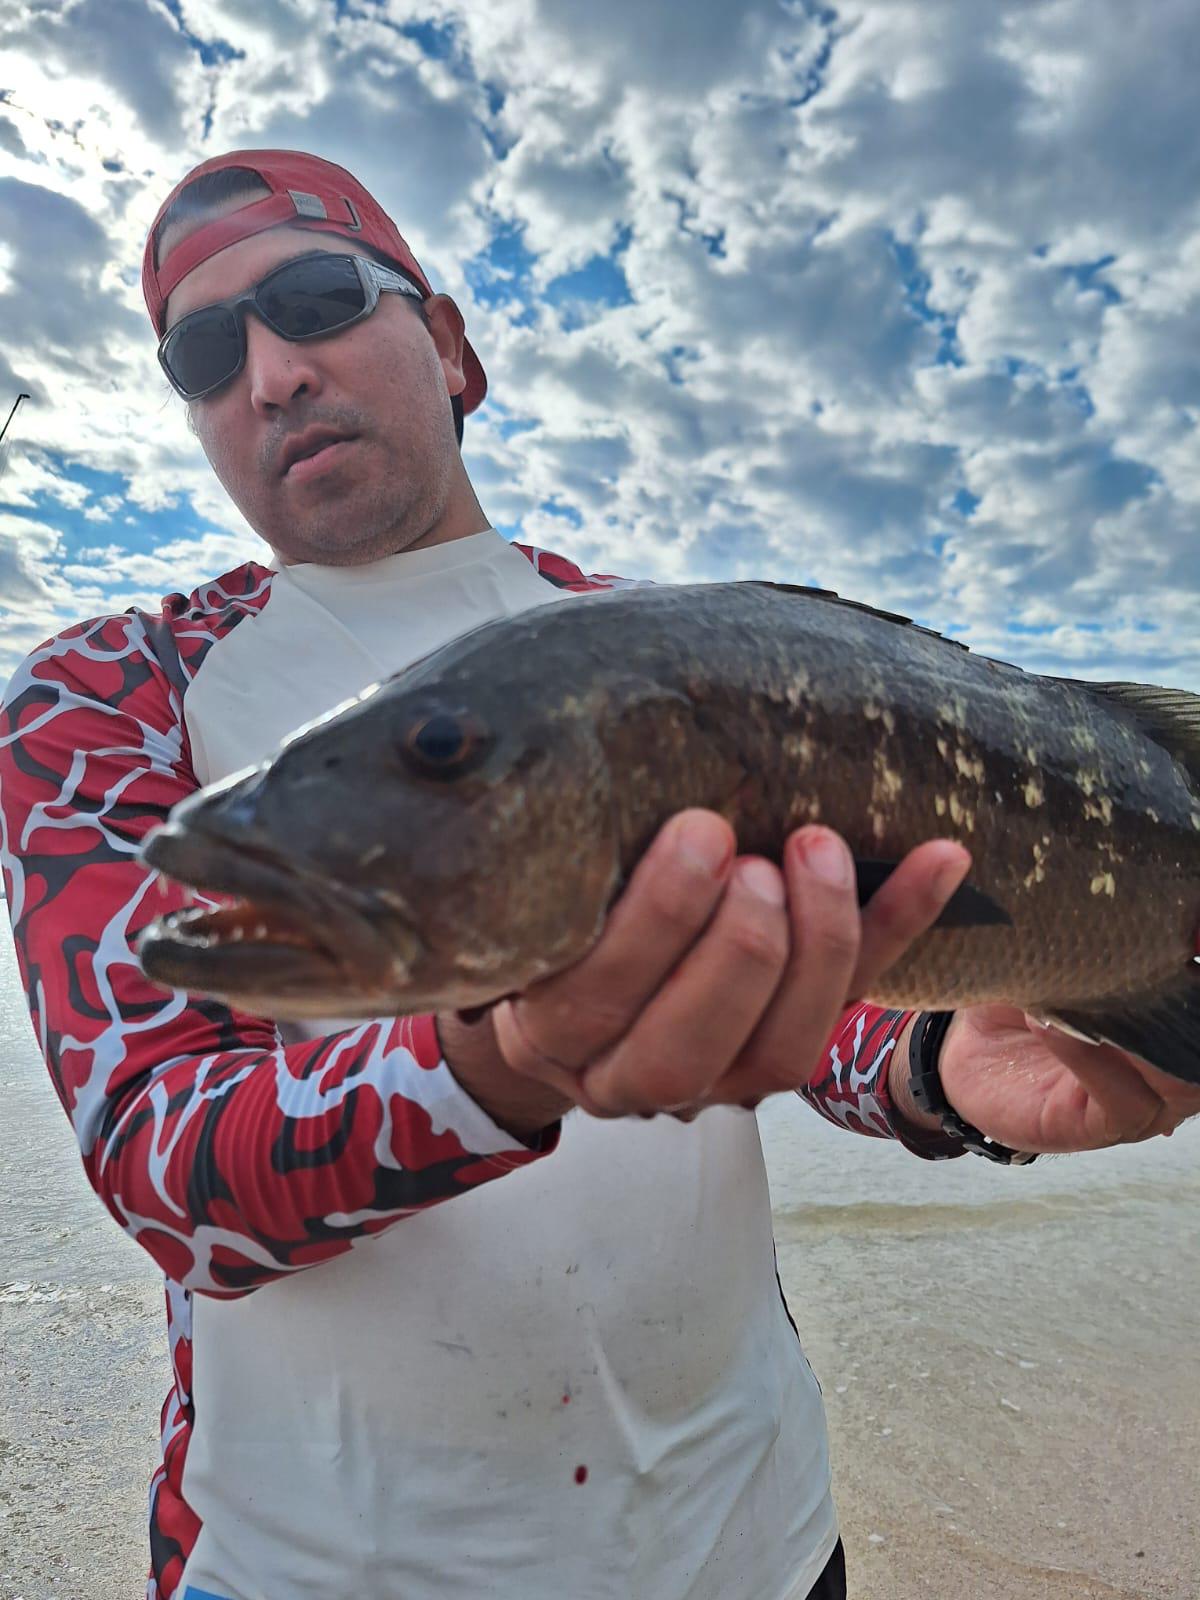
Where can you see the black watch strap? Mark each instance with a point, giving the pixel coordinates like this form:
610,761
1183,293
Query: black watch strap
925,1082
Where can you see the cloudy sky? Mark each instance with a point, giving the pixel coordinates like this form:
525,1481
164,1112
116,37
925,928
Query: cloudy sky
897,297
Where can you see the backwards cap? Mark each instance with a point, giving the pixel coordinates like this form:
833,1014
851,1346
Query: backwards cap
305,191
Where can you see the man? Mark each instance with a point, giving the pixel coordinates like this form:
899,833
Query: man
562,1365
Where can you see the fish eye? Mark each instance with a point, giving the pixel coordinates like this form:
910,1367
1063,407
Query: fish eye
442,743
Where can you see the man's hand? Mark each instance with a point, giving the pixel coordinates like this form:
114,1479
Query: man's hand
716,981
1034,1088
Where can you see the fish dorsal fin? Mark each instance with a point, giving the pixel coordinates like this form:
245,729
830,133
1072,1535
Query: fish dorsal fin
854,605
1171,717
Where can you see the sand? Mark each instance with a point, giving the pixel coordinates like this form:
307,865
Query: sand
1001,1451
81,1381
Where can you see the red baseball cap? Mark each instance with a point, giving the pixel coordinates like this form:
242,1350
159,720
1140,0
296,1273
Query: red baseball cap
307,192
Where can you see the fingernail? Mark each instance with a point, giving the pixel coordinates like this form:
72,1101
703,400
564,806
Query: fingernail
761,880
703,845
948,877
827,858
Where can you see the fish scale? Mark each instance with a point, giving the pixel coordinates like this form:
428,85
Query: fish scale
1020,765
587,724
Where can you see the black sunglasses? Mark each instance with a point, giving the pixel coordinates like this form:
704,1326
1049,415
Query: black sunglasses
302,299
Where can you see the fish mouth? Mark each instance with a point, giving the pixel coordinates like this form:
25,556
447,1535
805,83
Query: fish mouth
288,935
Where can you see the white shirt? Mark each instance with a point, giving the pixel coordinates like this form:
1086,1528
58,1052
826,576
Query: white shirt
576,1382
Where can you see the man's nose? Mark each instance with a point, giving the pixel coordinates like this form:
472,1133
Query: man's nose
279,371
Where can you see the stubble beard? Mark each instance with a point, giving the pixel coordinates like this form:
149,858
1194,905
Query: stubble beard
354,529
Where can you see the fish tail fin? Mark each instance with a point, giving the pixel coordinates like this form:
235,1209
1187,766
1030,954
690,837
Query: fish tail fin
1163,1029
1171,717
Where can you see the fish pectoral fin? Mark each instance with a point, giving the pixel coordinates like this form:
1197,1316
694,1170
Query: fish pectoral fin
1163,1029
967,907
1171,717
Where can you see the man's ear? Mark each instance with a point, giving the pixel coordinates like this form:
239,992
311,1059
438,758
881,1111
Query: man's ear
448,332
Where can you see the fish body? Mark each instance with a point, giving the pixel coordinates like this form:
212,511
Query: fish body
461,830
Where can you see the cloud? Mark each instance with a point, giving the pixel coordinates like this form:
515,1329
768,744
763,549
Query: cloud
36,600
897,296
10,138
55,246
24,548
130,49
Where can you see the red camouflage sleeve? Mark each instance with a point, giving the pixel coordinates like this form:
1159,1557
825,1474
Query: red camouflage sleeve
231,1158
851,1084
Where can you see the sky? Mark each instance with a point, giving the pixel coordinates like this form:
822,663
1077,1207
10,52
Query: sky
899,298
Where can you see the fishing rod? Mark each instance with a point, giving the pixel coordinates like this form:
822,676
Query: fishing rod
11,415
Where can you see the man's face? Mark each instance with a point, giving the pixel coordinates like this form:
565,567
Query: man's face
385,383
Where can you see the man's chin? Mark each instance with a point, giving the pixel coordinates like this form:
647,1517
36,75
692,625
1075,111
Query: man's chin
366,521
353,548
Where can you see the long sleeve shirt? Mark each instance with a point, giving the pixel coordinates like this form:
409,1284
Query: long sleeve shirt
239,1153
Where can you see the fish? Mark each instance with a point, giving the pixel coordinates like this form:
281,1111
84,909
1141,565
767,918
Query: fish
460,831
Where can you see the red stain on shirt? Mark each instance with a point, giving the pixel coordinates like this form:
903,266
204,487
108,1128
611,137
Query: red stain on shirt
580,1474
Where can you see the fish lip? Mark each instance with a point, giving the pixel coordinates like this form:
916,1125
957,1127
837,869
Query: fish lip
335,917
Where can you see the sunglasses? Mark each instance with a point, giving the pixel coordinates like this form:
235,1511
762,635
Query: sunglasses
302,299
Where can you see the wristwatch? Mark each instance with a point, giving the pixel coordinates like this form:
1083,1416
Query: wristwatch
925,1082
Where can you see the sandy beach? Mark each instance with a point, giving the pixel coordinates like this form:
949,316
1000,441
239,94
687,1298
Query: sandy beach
1010,1360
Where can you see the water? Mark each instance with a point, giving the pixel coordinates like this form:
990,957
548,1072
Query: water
827,1178
55,1236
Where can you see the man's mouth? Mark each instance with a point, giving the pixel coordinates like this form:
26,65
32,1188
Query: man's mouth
325,456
